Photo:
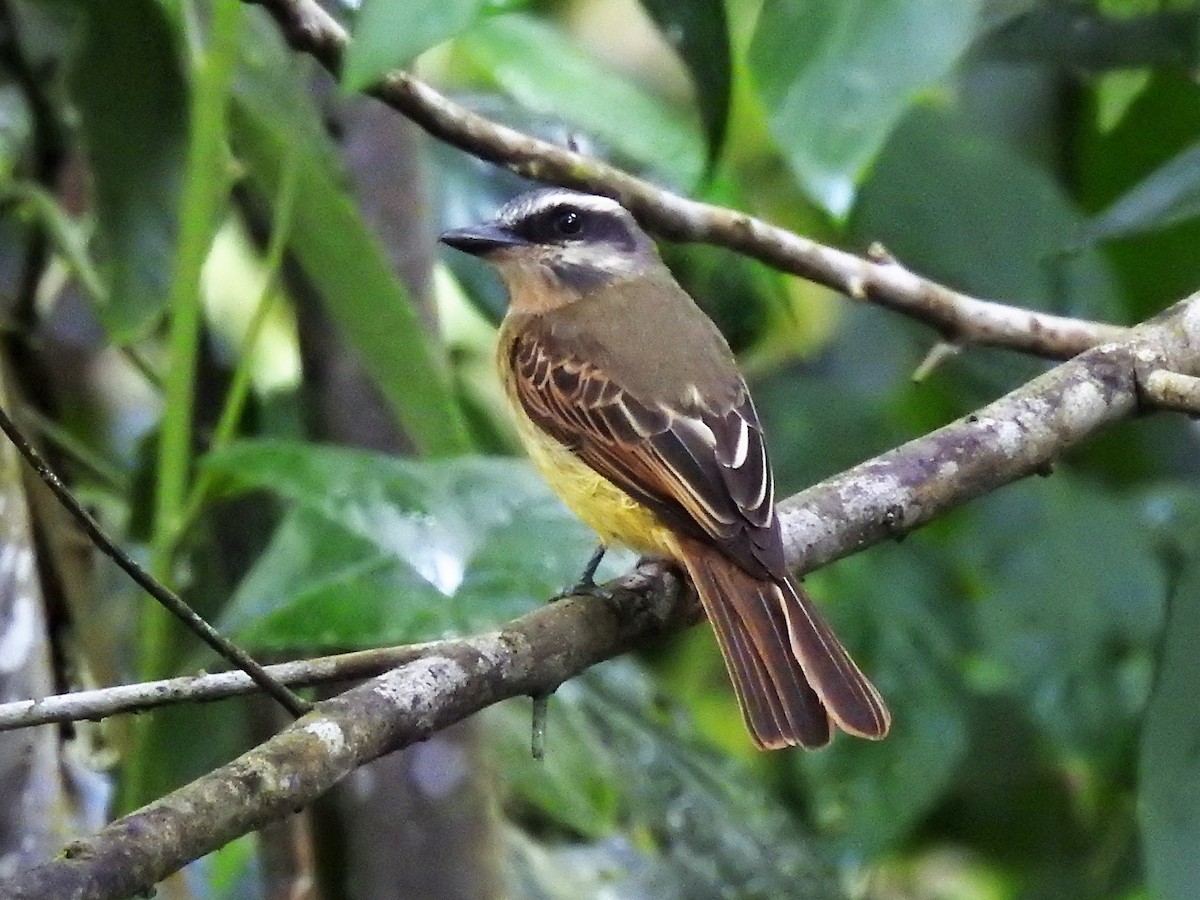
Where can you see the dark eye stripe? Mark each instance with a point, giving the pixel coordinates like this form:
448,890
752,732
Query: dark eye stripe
545,226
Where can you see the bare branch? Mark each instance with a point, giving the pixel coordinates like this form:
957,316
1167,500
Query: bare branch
960,319
1022,433
886,497
207,686
1172,391
532,655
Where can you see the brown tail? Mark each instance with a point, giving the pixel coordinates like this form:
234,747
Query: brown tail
791,674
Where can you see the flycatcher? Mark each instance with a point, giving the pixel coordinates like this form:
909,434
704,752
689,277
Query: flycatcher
630,403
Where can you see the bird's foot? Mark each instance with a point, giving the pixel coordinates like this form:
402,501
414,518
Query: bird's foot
586,584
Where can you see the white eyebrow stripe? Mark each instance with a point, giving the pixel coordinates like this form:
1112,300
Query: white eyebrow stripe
538,203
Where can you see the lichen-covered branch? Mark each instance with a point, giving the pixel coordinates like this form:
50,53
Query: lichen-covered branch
532,655
128,698
960,319
1021,433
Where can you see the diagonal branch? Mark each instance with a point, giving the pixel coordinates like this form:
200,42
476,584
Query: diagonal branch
532,655
1023,432
205,687
174,604
959,318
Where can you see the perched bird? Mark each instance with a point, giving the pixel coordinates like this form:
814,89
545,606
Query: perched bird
631,405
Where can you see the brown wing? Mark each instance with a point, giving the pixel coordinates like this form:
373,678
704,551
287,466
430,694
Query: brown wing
702,470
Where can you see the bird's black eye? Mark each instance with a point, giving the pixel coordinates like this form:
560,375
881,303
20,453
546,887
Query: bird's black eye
567,223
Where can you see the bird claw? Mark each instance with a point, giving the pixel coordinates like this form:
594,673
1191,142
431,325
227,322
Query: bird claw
584,588
586,585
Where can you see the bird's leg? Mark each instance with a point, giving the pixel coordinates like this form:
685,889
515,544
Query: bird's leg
587,581
588,578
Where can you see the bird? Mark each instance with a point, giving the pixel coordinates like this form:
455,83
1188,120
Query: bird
630,403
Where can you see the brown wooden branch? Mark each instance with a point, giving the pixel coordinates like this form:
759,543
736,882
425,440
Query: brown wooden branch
1023,432
532,655
959,318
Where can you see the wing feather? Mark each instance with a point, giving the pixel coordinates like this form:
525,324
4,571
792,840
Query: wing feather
703,470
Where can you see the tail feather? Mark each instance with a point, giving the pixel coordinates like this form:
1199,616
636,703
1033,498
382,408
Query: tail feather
771,720
852,701
791,674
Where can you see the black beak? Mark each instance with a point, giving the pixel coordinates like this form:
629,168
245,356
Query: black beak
480,240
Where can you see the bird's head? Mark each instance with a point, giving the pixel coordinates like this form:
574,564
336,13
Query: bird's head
555,246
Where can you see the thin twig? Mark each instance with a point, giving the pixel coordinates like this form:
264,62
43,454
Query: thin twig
534,654
156,589
205,687
959,318
1172,391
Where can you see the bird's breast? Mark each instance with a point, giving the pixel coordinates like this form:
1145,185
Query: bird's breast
616,517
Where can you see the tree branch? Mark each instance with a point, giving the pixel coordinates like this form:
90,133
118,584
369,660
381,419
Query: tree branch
174,604
532,655
207,686
959,318
1021,433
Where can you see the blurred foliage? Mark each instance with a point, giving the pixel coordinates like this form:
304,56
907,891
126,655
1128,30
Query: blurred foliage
1037,648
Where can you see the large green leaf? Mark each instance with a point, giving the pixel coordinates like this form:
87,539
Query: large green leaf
838,74
378,549
1169,789
961,207
1067,621
272,121
891,609
389,34
699,32
132,98
1167,196
546,72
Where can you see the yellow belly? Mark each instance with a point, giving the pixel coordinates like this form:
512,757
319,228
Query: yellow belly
616,517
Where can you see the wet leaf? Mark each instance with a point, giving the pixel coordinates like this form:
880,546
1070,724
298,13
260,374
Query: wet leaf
378,549
837,76
696,824
545,71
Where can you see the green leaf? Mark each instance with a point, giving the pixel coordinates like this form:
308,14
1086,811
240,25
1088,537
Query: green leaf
378,549
541,68
1169,768
1068,620
838,74
1167,196
699,32
320,585
390,34
132,98
873,795
340,254
962,208
1162,122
